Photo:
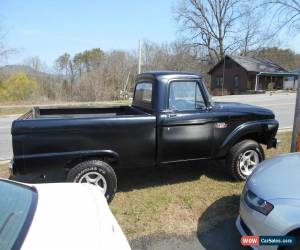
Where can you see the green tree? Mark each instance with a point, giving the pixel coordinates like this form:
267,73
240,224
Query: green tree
18,87
88,60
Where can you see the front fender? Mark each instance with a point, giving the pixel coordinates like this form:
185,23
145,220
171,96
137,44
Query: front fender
263,131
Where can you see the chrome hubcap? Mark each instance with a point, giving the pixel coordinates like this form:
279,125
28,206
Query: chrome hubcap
248,161
94,178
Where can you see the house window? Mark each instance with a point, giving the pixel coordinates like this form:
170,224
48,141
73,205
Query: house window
236,81
218,81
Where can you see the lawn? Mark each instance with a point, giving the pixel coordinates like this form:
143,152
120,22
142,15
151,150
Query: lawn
13,109
177,200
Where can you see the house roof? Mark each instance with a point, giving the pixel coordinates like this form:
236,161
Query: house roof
254,64
296,71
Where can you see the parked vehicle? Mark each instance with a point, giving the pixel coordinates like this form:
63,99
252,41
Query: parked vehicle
57,216
172,119
270,202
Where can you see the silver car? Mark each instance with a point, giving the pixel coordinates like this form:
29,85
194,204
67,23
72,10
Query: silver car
270,201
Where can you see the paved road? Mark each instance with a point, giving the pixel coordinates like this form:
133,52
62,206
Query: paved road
283,106
5,137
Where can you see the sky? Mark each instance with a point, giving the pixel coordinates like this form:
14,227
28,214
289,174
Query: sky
49,28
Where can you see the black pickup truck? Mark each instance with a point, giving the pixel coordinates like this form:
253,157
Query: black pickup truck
172,119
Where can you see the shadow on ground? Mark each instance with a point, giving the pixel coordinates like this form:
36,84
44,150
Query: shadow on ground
221,235
129,179
147,177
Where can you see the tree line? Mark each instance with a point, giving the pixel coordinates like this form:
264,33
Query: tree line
209,30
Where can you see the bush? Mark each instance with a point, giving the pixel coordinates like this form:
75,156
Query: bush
18,87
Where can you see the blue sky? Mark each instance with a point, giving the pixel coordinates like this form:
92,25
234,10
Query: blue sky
48,28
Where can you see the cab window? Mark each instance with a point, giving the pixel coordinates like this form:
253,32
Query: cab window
185,95
143,95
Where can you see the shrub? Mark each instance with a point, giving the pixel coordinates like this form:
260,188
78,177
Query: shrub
18,87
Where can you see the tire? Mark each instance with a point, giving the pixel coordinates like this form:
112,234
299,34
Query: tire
294,247
241,158
95,172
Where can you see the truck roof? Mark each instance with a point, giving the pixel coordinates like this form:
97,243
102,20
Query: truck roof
167,74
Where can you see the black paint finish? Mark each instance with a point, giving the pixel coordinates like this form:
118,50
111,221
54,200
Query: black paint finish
136,136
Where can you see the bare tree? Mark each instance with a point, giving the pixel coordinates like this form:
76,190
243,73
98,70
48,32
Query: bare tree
220,26
5,52
286,12
35,63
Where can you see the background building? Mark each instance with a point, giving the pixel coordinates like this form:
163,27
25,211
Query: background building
240,74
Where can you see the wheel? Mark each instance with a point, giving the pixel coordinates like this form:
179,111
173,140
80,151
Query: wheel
243,157
297,244
95,172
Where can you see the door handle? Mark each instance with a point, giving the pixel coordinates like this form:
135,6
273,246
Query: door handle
171,115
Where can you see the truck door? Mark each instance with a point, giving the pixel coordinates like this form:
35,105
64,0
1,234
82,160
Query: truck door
185,129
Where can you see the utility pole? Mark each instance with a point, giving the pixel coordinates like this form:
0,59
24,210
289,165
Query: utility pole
139,56
223,75
295,147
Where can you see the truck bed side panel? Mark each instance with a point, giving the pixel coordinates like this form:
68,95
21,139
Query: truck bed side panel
52,141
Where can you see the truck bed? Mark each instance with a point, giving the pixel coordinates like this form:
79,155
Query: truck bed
77,112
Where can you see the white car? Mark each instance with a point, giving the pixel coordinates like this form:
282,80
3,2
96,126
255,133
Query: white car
57,216
270,202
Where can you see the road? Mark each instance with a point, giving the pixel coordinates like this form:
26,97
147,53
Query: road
5,137
283,106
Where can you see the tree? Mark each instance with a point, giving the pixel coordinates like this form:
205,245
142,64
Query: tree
286,58
18,87
88,60
62,63
287,13
35,63
4,50
220,26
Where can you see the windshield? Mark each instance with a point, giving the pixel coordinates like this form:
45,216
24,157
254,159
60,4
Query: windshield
17,204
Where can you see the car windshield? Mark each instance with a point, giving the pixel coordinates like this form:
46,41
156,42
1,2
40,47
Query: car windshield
17,204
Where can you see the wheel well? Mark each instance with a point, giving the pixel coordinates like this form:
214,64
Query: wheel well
73,162
294,232
252,136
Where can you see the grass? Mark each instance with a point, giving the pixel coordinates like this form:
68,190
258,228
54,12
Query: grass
13,110
22,108
3,169
177,200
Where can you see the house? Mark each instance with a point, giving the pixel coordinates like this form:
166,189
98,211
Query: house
291,82
246,74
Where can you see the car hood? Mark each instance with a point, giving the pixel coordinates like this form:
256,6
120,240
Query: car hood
73,216
244,108
277,178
